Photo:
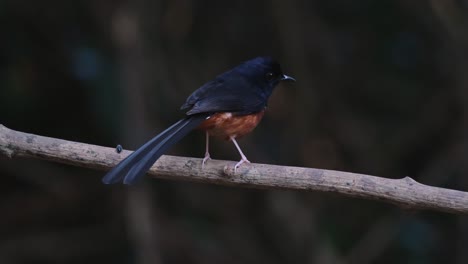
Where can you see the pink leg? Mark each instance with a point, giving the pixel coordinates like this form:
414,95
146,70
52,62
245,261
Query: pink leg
243,157
207,152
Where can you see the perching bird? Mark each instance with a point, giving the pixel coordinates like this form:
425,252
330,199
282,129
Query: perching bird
229,106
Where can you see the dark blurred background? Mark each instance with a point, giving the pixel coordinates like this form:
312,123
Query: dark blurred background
382,89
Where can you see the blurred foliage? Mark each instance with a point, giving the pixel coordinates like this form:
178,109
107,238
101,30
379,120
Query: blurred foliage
382,90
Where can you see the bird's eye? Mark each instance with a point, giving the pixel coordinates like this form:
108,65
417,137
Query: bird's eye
270,76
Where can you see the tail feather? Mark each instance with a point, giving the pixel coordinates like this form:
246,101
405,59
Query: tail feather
119,171
139,169
136,164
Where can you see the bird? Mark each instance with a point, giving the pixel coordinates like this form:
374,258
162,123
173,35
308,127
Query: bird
229,106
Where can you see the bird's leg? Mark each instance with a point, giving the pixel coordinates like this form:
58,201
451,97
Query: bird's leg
243,157
207,152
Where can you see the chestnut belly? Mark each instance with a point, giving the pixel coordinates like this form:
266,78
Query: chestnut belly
227,125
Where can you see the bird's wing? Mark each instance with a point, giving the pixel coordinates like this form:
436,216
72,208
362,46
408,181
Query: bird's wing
225,94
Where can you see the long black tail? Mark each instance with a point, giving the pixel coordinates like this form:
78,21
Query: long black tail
138,163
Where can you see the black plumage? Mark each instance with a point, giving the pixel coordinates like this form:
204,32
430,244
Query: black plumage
242,90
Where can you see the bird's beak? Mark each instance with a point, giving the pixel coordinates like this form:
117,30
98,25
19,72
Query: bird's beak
287,78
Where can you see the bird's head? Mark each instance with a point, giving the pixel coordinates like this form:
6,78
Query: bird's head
264,71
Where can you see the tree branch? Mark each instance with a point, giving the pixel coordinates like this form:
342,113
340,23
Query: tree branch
403,192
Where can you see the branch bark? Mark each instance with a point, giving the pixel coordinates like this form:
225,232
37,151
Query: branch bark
404,192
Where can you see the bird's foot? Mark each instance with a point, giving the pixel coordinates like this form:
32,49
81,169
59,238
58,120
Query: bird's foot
205,159
243,160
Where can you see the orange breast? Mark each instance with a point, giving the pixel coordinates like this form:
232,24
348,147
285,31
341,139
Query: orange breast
228,125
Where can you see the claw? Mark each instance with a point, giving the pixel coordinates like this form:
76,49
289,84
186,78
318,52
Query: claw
205,159
244,159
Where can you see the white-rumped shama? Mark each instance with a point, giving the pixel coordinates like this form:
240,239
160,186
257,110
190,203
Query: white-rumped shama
229,106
